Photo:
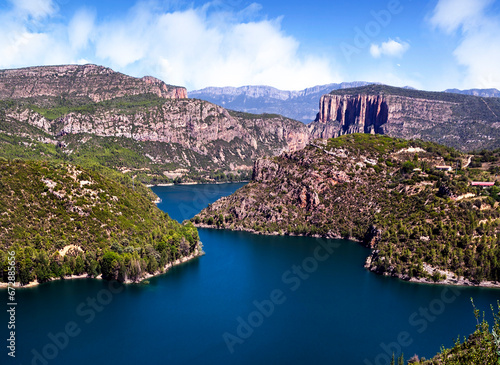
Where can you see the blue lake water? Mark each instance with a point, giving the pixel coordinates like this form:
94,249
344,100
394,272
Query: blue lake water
250,300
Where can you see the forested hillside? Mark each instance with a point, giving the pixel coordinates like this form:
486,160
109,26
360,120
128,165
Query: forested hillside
63,220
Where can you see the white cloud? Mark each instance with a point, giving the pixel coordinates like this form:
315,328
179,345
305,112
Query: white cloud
22,44
80,29
390,48
193,47
449,15
479,48
34,8
198,48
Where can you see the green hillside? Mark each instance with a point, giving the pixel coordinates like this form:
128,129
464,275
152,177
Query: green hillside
120,233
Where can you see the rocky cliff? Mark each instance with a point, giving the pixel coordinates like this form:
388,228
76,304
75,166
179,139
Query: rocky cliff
354,114
80,83
461,121
190,123
228,141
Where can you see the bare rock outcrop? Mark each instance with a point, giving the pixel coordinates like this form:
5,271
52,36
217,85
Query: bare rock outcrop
461,121
80,82
381,114
97,101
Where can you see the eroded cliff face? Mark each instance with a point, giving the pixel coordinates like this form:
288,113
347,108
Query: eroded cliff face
354,114
64,101
460,121
395,115
191,123
228,141
81,83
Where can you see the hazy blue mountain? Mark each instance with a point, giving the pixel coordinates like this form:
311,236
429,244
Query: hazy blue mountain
299,105
477,92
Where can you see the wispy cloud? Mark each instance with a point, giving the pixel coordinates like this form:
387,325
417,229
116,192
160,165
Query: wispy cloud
450,15
35,9
80,29
26,38
479,48
391,48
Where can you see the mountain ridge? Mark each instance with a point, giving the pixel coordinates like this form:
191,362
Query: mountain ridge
299,104
80,82
167,135
489,93
291,103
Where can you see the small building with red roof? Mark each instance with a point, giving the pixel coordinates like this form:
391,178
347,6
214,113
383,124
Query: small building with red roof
484,184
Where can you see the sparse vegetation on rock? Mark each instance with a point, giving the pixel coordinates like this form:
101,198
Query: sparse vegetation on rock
385,192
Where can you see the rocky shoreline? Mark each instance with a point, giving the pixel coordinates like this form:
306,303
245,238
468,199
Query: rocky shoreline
167,267
250,230
450,277
458,282
450,280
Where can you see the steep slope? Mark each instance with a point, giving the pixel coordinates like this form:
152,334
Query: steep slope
91,109
299,105
63,220
460,121
420,222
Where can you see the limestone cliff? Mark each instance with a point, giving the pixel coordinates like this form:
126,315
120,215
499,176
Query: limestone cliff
80,83
192,124
354,114
461,121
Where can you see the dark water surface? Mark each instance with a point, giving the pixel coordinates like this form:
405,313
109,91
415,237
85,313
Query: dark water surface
250,300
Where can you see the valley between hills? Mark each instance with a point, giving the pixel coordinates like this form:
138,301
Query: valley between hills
411,174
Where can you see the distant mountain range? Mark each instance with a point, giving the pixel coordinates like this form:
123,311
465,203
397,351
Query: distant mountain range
487,93
299,105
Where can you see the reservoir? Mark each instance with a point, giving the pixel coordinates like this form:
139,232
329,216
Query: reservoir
250,299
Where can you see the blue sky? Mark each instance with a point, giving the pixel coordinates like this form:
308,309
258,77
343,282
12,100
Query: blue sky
293,44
